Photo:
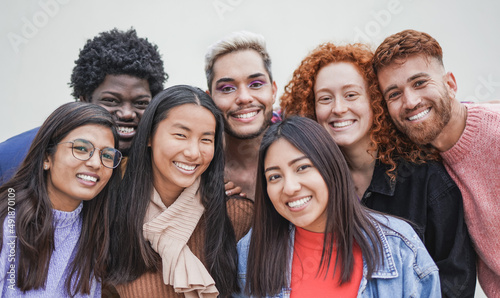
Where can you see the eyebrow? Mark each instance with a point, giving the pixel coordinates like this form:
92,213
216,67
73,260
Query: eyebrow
119,95
256,75
183,127
343,87
289,163
413,77
252,76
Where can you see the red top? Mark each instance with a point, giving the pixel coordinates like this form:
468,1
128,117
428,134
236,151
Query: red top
306,258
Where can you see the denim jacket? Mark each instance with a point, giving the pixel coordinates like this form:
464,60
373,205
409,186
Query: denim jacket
408,270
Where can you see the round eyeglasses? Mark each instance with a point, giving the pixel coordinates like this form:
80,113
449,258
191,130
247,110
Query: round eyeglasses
83,150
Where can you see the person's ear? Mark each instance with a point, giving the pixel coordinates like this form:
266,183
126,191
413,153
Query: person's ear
451,84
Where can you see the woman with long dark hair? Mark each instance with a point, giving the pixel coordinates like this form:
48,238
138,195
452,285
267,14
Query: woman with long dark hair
172,233
54,210
337,86
313,238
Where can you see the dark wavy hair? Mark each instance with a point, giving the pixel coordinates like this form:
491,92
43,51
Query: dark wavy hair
131,253
298,99
34,216
347,220
116,52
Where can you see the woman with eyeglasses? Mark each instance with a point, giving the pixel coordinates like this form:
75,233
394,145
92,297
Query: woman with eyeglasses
313,238
175,232
54,210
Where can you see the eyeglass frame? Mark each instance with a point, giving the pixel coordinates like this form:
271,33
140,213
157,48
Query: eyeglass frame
91,153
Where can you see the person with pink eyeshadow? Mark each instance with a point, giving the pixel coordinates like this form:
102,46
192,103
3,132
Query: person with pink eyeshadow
239,78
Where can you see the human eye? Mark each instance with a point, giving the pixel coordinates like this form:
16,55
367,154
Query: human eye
108,153
257,84
109,101
180,135
392,95
303,167
352,95
141,104
324,99
207,140
273,177
226,88
82,146
419,83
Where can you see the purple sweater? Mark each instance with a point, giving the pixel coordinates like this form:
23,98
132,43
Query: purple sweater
474,164
68,226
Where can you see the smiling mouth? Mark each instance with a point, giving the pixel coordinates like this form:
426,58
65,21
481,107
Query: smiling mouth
342,123
184,166
126,130
299,203
419,115
87,178
246,115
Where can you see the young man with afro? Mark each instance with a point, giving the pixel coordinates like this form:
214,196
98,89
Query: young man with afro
117,70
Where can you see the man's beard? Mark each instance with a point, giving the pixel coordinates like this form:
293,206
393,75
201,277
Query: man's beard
427,131
267,122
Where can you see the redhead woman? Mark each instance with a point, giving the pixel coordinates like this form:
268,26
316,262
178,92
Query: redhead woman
336,86
314,238
54,210
173,233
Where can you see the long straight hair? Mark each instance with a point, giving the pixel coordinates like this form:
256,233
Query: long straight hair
34,215
347,220
131,253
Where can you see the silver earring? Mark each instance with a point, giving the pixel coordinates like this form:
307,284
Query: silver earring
45,167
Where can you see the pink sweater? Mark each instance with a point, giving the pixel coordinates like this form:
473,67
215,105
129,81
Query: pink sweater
474,164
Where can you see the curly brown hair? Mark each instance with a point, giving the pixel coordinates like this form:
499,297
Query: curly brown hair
398,47
298,99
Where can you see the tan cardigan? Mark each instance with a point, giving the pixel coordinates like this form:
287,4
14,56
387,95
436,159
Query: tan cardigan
240,211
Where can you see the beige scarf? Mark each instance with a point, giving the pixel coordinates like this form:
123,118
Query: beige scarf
168,230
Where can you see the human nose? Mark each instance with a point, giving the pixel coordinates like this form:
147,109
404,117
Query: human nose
411,99
243,96
126,111
95,159
291,186
339,107
192,150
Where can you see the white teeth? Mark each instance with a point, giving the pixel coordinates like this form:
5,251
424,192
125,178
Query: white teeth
87,178
343,123
419,115
299,203
184,166
123,129
247,115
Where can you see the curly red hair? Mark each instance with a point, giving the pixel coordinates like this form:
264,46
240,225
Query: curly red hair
298,99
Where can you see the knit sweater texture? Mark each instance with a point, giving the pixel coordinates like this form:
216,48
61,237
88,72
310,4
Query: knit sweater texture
68,226
474,164
240,212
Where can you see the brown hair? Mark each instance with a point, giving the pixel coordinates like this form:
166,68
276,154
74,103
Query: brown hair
34,217
298,99
399,46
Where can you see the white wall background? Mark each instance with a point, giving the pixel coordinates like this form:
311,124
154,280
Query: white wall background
40,39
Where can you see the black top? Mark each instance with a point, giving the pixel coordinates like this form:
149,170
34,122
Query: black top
426,195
